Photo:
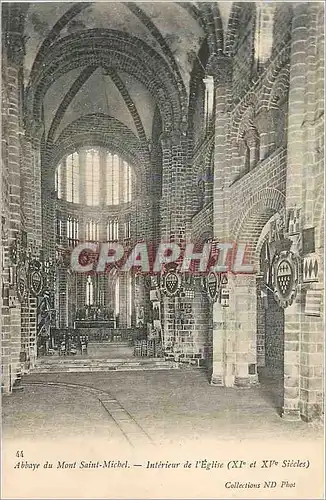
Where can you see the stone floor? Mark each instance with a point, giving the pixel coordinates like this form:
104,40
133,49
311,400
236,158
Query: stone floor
167,406
142,419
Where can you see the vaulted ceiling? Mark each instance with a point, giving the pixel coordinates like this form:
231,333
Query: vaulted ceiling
171,31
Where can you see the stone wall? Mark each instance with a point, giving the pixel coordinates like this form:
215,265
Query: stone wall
266,172
21,210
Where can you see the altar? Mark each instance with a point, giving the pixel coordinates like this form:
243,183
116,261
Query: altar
98,330
90,323
101,332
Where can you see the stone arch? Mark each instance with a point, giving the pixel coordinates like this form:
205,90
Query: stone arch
271,113
209,17
118,82
103,48
276,81
246,136
244,117
261,241
72,12
155,32
101,131
193,11
72,92
231,33
74,89
247,121
280,87
138,12
282,25
257,212
204,235
264,129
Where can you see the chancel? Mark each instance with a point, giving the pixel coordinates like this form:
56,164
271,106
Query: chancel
152,123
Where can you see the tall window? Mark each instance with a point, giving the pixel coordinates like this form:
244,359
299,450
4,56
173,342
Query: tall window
127,182
118,180
209,99
92,178
72,231
58,181
89,291
127,228
72,178
59,228
92,231
113,230
263,33
78,178
112,179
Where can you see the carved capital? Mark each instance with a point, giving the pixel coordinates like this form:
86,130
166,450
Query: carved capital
172,138
220,67
34,131
15,48
251,137
13,16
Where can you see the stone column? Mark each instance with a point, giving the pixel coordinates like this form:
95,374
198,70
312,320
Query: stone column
5,226
245,317
123,298
49,202
312,326
141,298
82,176
34,145
294,176
174,155
252,140
174,225
234,351
13,49
82,199
28,321
220,68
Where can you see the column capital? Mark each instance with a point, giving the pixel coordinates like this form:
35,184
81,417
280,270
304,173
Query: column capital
15,47
34,131
251,136
172,137
13,31
220,67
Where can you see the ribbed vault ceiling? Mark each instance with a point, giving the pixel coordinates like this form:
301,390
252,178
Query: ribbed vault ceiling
174,30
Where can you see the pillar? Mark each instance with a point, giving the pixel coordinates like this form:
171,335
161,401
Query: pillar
245,329
223,359
312,325
252,140
13,53
174,223
295,168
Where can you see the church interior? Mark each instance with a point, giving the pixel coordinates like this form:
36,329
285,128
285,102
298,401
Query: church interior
133,122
